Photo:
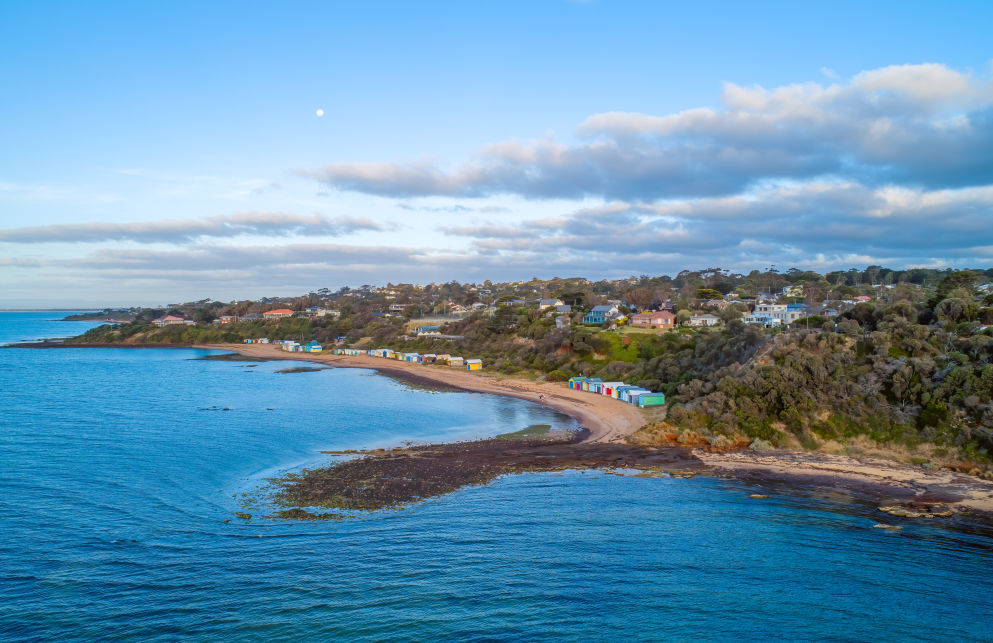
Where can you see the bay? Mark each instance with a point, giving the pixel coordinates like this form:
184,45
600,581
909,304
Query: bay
119,469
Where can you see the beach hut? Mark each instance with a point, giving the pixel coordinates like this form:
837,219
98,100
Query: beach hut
313,347
630,395
456,361
607,388
619,390
442,358
651,399
591,383
428,358
576,383
633,395
474,365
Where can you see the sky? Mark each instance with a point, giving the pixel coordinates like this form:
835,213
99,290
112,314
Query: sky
164,152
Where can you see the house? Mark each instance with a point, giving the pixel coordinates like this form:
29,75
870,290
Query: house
227,319
661,319
278,313
318,311
600,314
562,321
861,299
704,320
474,365
563,308
251,317
428,330
550,303
793,291
781,312
172,320
764,320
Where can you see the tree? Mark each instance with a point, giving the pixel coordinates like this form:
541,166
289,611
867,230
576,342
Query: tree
683,316
708,293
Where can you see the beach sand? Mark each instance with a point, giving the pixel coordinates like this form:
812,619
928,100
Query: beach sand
607,420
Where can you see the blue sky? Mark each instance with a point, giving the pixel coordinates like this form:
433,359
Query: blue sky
172,151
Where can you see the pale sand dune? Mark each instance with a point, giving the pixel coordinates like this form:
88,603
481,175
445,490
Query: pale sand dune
608,420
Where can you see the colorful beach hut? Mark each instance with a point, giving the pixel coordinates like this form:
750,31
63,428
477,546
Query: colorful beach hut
576,383
590,383
474,365
607,388
651,399
456,361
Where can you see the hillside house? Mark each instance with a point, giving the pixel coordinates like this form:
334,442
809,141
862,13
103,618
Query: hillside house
277,313
661,319
600,314
704,320
172,320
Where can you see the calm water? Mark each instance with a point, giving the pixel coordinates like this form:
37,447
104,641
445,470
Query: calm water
118,469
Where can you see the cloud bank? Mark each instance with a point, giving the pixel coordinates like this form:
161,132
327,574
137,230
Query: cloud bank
921,125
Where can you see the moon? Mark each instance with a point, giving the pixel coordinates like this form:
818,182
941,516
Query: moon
320,113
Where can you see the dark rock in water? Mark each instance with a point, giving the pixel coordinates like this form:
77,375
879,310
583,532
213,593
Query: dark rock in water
397,477
243,515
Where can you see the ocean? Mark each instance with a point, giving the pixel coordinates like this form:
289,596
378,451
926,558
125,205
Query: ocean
121,471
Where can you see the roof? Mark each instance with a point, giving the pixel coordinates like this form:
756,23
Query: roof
170,318
662,314
602,309
280,311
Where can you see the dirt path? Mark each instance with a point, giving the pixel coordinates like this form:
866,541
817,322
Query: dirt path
608,420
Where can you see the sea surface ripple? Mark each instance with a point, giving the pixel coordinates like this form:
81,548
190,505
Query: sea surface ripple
121,470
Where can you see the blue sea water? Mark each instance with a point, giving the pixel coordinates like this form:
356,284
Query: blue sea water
119,469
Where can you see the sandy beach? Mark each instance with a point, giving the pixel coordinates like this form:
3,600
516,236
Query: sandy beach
608,420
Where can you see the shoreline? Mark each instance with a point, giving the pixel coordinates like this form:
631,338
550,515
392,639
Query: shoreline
906,489
608,420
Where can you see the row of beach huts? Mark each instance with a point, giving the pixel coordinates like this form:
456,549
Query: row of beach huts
629,393
288,345
417,358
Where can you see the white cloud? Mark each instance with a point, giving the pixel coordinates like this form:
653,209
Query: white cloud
185,230
922,125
